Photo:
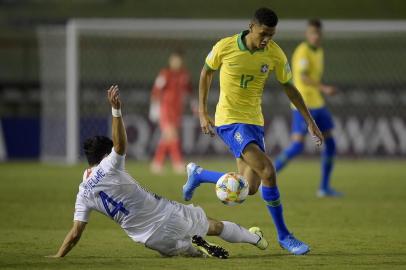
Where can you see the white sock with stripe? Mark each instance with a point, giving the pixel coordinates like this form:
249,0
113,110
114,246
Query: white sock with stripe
234,233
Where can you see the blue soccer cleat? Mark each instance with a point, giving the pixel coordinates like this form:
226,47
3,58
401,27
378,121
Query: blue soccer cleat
293,245
192,182
321,193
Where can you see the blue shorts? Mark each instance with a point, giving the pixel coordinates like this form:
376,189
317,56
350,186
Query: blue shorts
321,116
238,136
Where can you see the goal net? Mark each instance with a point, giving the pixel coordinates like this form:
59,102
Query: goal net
365,59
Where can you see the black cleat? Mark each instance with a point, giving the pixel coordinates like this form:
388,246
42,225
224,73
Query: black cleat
209,249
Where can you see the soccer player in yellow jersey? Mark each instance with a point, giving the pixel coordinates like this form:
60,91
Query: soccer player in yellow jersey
307,64
245,62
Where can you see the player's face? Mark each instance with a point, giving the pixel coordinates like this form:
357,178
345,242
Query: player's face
313,35
175,62
261,35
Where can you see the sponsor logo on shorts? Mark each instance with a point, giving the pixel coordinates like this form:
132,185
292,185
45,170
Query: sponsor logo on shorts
238,137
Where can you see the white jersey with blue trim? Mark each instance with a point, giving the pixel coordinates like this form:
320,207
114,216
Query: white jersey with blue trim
110,190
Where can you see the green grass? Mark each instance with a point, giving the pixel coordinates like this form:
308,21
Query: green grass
364,230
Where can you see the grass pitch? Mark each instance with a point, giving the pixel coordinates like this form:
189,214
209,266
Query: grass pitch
364,230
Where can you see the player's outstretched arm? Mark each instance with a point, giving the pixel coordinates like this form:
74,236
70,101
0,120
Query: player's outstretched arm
297,100
71,239
206,123
118,129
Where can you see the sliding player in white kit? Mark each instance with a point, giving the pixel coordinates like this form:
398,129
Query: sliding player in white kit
166,226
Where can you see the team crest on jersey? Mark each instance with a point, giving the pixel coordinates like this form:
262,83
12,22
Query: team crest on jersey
264,68
238,137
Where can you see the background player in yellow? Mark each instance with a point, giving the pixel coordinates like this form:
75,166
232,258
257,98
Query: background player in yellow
308,65
245,61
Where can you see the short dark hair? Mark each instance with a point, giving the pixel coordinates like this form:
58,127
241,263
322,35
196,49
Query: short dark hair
315,23
266,17
96,148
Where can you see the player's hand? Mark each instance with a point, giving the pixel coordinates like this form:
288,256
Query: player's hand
316,134
113,95
329,90
207,124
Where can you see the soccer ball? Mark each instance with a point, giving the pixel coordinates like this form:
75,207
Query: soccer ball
232,188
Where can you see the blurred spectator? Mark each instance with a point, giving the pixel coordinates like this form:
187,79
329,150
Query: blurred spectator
171,88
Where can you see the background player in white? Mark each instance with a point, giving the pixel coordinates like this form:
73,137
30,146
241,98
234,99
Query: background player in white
166,226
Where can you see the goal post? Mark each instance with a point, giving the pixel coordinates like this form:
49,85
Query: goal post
83,57
72,89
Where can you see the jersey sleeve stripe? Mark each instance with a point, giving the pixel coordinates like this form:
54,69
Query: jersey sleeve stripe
208,67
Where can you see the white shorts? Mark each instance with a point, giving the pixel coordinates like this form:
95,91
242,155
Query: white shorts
174,237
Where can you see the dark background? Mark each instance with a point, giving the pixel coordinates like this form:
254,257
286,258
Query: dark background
19,60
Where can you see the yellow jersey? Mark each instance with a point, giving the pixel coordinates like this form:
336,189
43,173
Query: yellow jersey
243,74
309,60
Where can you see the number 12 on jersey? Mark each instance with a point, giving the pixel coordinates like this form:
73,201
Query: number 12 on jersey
245,79
118,206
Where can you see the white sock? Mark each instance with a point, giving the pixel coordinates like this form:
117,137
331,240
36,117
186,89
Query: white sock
234,233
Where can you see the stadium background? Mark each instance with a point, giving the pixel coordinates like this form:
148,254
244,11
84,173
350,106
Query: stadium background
368,69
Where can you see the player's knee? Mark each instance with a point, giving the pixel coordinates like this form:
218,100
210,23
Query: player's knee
297,138
219,226
215,227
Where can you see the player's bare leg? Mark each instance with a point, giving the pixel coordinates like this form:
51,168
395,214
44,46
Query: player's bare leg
260,164
254,181
296,137
263,167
